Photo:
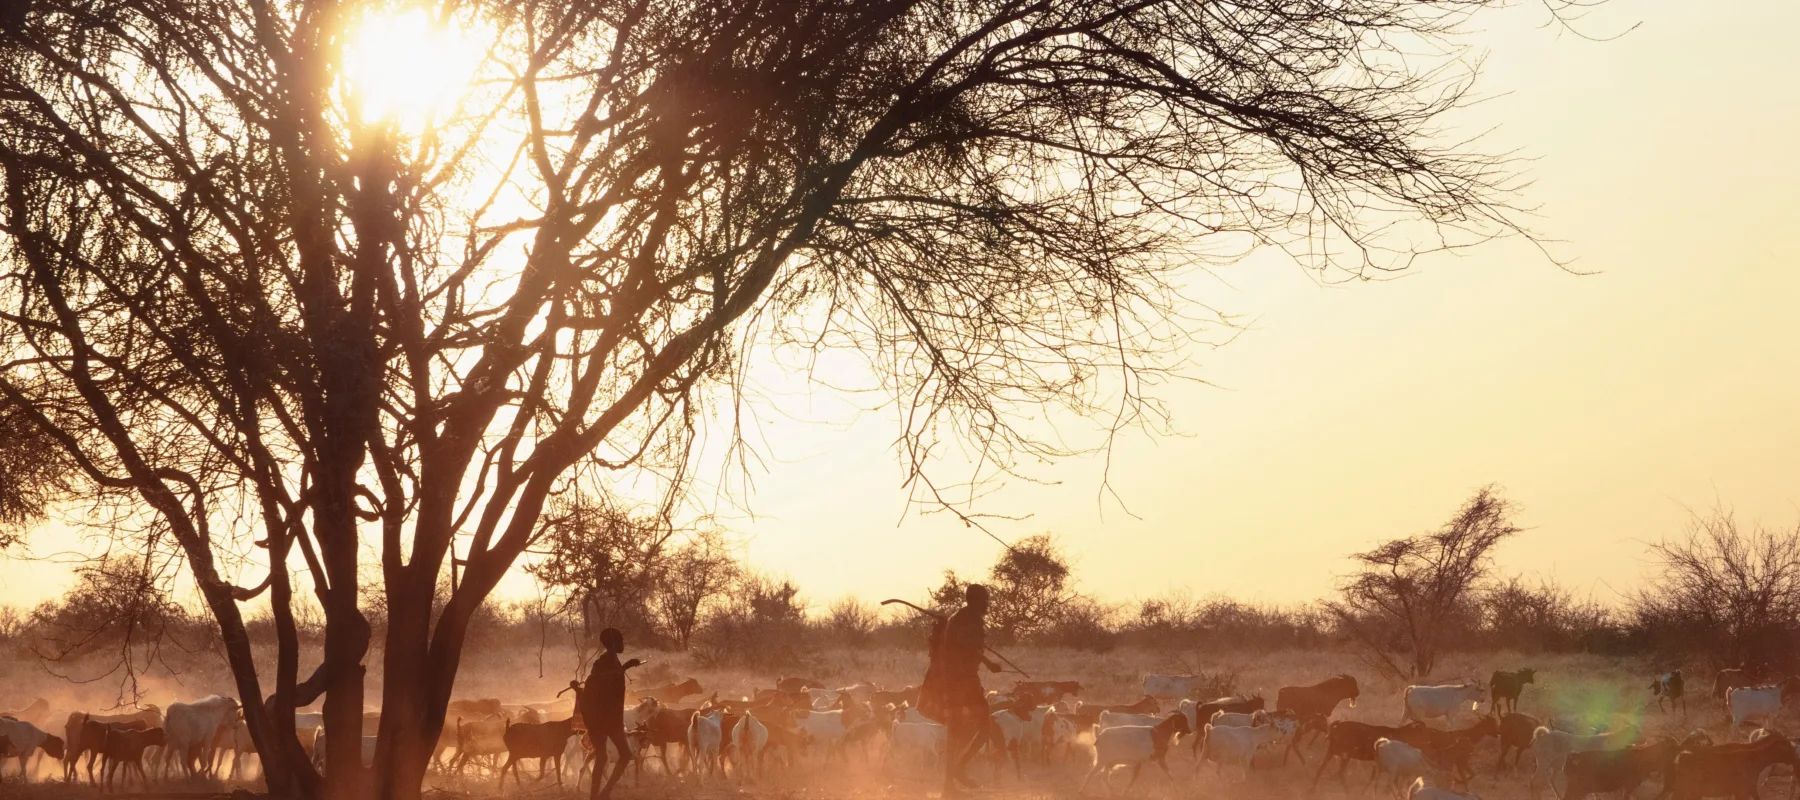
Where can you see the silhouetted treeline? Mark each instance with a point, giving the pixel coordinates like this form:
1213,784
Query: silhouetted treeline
1721,596
768,622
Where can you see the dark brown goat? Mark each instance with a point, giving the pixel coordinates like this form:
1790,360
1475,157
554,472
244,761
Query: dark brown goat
1451,749
1726,770
1621,770
1347,740
123,746
544,741
1505,687
1314,704
1515,735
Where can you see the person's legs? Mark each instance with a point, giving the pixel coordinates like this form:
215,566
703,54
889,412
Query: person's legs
964,739
598,762
956,740
978,737
615,733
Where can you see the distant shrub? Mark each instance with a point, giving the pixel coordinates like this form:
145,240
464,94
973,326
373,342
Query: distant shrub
1542,617
1177,621
849,621
763,625
1083,624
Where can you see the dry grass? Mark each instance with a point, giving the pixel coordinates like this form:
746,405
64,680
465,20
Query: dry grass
1597,689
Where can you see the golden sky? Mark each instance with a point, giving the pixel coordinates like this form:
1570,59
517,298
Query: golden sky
1607,404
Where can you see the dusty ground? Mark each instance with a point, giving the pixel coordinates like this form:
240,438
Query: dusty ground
1591,688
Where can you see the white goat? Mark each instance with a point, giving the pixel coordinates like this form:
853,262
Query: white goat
193,729
1133,746
1235,745
1430,702
1399,761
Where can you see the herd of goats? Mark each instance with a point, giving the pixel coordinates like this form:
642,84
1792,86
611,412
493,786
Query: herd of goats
1037,722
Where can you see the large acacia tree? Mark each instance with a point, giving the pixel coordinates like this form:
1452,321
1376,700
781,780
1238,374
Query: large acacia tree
264,320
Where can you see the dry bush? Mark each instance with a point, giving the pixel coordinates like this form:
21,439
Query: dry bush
1725,593
1082,623
765,625
850,621
1177,621
117,604
1543,617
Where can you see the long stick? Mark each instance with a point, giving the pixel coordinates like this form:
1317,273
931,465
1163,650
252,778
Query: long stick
926,611
934,615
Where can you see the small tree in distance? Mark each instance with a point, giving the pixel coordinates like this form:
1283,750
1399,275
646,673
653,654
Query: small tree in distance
121,606
1406,594
1031,588
1032,584
605,561
696,573
762,626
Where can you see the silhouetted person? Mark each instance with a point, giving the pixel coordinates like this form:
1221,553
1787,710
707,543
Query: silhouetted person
602,704
951,692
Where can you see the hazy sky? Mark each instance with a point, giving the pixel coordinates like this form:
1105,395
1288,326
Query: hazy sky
1606,404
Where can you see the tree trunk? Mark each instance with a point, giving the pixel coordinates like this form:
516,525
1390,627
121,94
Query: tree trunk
428,658
414,705
408,733
237,650
1424,659
286,770
344,709
346,643
282,775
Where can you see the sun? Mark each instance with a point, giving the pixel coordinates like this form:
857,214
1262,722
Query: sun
406,68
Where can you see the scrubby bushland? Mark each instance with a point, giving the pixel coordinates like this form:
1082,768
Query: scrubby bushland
1720,595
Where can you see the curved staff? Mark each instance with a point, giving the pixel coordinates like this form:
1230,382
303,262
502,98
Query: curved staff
940,617
951,693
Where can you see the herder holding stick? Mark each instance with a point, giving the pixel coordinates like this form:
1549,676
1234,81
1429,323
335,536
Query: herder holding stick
602,705
951,692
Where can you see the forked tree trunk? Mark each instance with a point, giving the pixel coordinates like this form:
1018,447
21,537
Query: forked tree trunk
346,643
406,738
280,777
286,771
344,707
421,666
